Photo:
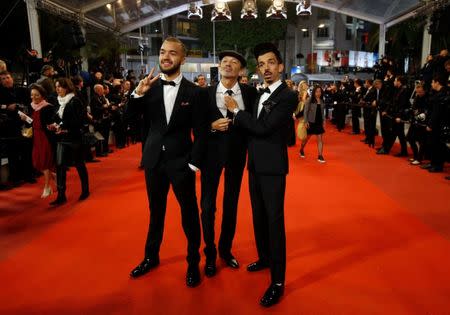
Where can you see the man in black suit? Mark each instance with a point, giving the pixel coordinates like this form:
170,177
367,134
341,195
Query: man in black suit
172,108
268,165
227,150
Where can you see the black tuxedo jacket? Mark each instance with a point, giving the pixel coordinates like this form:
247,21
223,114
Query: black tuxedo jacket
223,146
267,147
73,119
188,116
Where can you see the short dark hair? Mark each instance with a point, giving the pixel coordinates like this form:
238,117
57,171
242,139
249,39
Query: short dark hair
370,81
440,79
265,48
176,40
5,73
40,89
401,79
66,84
76,80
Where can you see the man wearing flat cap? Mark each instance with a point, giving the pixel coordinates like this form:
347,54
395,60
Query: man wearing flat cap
267,127
226,151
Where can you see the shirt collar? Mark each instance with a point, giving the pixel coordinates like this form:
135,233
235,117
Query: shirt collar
222,89
274,86
177,80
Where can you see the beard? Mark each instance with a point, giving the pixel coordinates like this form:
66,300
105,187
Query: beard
171,70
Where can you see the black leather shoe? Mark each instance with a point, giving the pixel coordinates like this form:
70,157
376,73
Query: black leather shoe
364,140
272,295
231,262
193,276
401,154
381,151
210,268
435,170
58,201
426,166
145,266
84,196
257,266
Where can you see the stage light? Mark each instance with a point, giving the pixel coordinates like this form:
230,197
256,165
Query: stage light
249,10
304,29
321,25
304,8
195,12
221,12
108,5
277,10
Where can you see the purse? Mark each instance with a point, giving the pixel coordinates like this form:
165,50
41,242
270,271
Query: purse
27,132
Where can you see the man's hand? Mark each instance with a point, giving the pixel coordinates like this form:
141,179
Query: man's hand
11,107
398,120
220,124
230,103
429,129
146,83
307,125
383,113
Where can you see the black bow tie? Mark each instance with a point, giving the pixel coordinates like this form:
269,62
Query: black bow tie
229,92
164,82
264,90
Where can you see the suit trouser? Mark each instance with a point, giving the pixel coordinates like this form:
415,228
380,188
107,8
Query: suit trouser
66,151
356,113
366,115
398,130
232,184
371,126
386,130
267,197
439,151
182,180
341,111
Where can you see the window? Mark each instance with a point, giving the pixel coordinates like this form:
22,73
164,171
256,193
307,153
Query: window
186,28
322,31
349,20
348,34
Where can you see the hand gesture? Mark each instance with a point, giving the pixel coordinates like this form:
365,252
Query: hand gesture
146,83
230,103
220,124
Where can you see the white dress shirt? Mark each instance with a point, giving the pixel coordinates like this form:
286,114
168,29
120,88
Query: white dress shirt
265,96
222,92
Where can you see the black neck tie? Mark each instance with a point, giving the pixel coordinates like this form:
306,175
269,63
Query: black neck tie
164,82
229,114
264,90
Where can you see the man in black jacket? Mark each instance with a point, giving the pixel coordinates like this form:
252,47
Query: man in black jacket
172,108
396,115
227,150
268,166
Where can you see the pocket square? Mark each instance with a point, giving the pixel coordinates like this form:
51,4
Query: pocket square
184,103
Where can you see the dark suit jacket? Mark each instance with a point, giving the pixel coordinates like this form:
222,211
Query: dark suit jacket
72,120
188,115
267,147
224,146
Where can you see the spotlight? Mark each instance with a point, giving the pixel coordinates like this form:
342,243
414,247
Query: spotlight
249,10
304,8
194,12
221,12
277,10
321,25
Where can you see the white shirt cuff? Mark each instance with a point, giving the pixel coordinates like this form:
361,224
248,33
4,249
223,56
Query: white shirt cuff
193,168
135,95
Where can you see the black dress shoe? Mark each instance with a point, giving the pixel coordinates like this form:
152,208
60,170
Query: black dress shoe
210,268
84,196
193,276
145,266
93,161
382,151
435,169
257,266
401,154
364,140
272,295
231,261
426,166
58,201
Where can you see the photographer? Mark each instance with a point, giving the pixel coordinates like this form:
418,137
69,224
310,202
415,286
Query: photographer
419,113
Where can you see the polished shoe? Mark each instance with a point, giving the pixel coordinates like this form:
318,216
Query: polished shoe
435,170
272,295
382,151
302,153
84,196
193,276
231,262
145,266
364,140
210,268
426,166
257,266
415,162
401,154
58,201
47,192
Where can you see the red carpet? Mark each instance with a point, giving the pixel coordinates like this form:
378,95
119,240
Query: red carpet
366,234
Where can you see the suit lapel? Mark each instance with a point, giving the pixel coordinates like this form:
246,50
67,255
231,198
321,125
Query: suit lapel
177,104
213,102
159,97
272,97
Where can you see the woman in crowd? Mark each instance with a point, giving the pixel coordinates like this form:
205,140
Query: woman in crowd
315,120
301,128
43,148
68,127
